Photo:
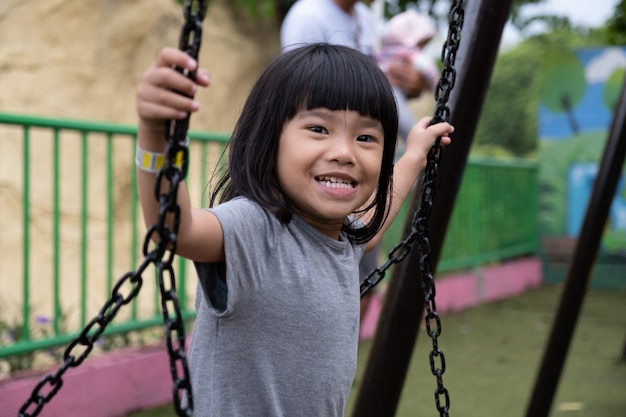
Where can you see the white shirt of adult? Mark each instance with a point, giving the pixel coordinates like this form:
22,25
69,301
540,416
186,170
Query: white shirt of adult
313,21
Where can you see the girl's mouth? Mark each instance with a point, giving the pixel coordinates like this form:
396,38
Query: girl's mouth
334,182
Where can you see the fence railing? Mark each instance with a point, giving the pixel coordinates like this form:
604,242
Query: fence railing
70,226
494,218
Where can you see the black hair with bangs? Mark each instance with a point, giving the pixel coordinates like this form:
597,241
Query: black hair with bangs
314,76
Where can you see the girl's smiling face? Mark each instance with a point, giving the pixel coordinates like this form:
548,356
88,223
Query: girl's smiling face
328,164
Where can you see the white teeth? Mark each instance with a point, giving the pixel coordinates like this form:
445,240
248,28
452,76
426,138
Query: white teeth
334,182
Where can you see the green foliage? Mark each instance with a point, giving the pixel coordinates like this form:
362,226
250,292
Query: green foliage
614,242
259,8
42,327
517,19
12,331
491,151
509,116
563,84
135,339
439,10
615,29
613,88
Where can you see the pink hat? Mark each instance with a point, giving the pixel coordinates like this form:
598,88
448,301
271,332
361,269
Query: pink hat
408,28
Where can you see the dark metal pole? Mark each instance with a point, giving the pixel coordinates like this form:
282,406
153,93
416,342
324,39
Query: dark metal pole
584,257
403,307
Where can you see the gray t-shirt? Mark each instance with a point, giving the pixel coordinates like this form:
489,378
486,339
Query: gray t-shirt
280,338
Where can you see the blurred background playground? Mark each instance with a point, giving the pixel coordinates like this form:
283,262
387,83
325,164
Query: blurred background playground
70,225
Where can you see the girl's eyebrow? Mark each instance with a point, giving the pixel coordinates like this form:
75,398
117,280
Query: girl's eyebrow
369,122
364,121
315,112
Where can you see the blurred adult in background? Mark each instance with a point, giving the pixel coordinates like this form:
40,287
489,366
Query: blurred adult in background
344,22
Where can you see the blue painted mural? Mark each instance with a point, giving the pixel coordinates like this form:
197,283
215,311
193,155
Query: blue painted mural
579,93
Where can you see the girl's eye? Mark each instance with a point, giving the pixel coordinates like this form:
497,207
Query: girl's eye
318,129
365,138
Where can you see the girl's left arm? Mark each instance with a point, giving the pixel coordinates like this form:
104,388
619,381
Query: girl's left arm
411,165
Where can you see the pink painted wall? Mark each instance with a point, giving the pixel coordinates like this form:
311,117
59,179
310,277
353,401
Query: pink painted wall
456,292
108,386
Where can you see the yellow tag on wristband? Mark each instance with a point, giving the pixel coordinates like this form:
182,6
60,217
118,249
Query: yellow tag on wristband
151,162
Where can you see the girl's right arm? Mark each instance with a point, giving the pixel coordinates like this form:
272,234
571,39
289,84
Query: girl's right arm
200,237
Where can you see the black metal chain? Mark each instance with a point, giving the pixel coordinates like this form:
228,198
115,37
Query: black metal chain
420,222
128,286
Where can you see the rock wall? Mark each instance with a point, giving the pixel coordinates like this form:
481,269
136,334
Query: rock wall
81,59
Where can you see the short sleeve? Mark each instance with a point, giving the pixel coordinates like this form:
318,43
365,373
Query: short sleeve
249,236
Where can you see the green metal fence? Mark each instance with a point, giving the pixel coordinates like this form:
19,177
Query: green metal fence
71,225
494,218
70,186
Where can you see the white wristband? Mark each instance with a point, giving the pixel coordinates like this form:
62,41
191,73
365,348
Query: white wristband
151,162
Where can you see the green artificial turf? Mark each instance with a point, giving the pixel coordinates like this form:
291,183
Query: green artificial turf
493,353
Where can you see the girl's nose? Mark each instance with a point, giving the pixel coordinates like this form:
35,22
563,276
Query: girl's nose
342,150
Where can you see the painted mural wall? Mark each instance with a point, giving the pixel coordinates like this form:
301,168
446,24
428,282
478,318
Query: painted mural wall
580,91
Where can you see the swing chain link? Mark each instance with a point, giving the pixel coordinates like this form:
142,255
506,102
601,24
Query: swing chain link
162,255
420,222
82,345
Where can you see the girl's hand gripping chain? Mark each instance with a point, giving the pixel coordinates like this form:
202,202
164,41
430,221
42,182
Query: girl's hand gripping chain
411,164
422,138
164,94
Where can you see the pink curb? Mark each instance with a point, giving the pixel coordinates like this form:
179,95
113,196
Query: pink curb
111,385
456,292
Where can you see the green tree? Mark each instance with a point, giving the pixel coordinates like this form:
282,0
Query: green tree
613,88
615,29
439,9
508,121
260,8
509,116
563,84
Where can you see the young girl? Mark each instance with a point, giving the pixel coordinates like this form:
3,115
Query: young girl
308,189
